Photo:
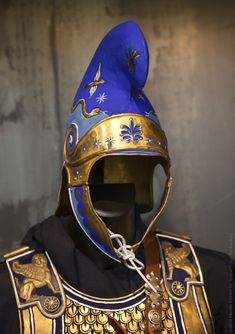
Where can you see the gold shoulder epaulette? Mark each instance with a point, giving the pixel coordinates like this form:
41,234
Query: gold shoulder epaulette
173,234
16,252
184,283
35,281
180,266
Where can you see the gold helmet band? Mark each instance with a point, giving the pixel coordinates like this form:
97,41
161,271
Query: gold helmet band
104,140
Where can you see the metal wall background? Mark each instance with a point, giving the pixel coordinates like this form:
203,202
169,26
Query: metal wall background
44,50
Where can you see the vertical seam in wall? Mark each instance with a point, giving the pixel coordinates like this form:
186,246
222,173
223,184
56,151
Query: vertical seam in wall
55,69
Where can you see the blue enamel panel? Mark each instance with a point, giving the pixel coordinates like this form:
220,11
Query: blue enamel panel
76,198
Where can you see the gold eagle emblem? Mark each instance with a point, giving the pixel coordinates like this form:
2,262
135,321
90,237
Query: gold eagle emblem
36,275
178,258
96,81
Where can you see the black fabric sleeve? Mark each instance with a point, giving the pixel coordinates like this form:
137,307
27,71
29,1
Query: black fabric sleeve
218,277
9,318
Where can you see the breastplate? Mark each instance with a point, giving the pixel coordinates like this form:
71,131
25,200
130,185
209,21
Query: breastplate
47,304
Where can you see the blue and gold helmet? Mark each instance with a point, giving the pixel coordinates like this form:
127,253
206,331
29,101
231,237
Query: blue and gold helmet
111,120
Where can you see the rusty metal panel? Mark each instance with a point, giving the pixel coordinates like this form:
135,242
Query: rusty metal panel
44,50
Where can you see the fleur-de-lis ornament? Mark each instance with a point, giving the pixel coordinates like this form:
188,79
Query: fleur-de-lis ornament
131,133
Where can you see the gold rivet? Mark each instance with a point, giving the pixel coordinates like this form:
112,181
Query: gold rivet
178,288
154,317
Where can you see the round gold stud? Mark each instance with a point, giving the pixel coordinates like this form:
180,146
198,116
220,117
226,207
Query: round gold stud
51,304
178,288
154,317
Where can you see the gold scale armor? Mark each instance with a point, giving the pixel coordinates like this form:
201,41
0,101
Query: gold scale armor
47,304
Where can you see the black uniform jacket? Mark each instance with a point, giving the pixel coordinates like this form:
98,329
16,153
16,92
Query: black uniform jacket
87,269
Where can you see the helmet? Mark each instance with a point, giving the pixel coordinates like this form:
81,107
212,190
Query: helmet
111,127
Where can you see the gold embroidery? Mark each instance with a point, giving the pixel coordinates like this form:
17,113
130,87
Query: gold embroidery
36,275
178,258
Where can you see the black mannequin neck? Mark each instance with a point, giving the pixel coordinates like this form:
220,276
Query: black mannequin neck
115,204
119,218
